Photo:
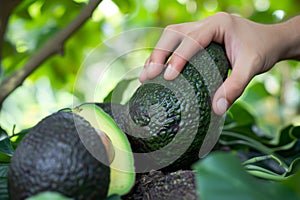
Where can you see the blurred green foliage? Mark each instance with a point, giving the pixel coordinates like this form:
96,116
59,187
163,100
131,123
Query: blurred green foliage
215,184
273,98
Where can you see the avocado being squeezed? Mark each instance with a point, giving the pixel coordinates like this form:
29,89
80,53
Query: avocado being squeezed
169,120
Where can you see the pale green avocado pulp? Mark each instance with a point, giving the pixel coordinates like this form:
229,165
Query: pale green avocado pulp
122,173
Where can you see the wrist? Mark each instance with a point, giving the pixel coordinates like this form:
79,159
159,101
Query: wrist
290,39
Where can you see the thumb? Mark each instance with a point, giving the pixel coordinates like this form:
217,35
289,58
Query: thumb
230,90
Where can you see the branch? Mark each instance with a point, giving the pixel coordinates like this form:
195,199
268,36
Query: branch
7,7
53,46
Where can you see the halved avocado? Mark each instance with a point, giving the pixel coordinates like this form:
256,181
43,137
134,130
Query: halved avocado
52,157
122,172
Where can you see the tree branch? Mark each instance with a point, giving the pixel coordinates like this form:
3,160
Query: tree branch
7,7
53,46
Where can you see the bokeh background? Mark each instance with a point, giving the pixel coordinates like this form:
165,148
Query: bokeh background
273,98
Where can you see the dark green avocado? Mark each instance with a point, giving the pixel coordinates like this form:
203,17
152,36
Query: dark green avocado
170,119
52,157
159,186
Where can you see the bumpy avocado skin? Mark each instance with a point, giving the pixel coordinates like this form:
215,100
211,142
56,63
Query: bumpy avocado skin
52,157
159,186
160,109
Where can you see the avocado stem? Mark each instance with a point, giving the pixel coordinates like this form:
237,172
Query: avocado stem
110,151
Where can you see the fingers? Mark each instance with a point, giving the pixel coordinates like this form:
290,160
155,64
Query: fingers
154,69
143,75
187,48
150,70
168,41
177,41
230,90
176,46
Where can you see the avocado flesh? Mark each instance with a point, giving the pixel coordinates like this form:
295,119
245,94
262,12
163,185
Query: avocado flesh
176,115
118,112
122,172
52,157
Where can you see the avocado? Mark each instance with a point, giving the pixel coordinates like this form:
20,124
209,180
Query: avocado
169,120
118,112
80,153
52,157
159,186
122,169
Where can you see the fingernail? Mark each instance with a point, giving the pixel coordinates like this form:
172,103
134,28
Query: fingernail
154,69
143,76
170,73
222,105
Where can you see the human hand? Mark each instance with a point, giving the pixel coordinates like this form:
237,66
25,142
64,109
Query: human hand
251,48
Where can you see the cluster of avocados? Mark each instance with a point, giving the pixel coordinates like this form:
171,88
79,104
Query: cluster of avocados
92,151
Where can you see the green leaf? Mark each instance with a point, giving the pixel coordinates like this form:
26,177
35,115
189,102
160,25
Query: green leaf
22,9
241,115
293,182
286,136
281,154
48,196
126,6
3,189
3,181
6,147
19,137
221,176
294,166
116,95
3,170
5,144
235,138
256,92
4,158
287,143
113,197
3,133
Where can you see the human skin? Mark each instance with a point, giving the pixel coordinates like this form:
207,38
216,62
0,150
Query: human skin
252,48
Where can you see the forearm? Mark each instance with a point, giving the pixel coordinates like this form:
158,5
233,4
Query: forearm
291,39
